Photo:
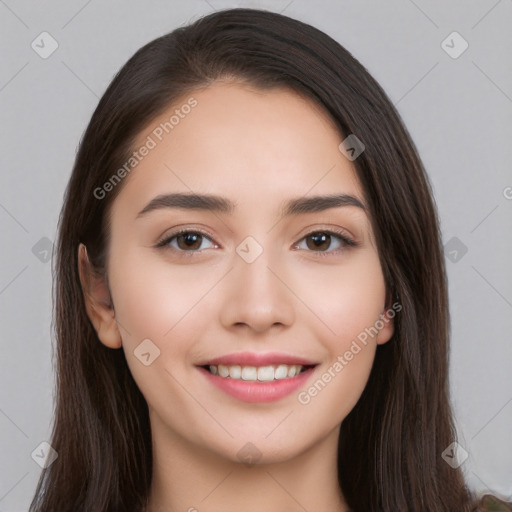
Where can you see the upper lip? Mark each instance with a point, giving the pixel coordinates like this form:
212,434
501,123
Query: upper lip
258,359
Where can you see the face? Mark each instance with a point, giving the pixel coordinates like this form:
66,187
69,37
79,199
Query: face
251,289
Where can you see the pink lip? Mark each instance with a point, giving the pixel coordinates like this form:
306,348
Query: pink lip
258,359
256,391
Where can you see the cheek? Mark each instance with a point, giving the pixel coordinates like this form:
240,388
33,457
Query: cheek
348,304
152,297
162,303
345,299
171,306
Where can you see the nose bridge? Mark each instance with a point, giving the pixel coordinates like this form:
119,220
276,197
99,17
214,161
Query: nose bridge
256,296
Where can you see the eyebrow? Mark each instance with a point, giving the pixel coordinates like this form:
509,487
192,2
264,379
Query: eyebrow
219,204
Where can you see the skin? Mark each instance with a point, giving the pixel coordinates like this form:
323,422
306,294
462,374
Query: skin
256,148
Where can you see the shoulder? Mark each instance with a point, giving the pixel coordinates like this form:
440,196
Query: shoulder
489,502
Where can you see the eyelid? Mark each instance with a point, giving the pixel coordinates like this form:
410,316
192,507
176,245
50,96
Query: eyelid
333,230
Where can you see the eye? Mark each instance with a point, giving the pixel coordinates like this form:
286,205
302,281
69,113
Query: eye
320,241
185,241
190,241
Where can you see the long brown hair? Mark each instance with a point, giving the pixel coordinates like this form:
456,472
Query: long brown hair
390,444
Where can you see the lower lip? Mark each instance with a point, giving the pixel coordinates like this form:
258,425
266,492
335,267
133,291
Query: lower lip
257,391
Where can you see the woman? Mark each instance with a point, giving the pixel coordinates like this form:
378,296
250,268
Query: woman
250,222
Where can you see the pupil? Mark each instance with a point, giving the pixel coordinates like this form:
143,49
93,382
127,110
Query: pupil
190,239
320,239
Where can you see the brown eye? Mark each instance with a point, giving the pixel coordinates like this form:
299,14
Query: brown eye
320,241
189,240
186,241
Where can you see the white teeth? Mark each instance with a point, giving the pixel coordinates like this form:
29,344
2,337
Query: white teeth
223,370
253,373
266,373
249,373
281,372
235,372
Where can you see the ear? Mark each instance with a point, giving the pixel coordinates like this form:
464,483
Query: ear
98,302
386,321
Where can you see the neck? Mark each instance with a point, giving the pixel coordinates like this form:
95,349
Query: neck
192,479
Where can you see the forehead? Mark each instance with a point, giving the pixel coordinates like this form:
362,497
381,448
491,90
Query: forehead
238,141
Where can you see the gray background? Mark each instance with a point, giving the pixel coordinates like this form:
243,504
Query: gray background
458,110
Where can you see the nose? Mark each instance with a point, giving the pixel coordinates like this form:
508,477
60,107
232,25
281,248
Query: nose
257,296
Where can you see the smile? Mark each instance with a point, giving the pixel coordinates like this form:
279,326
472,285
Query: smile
257,376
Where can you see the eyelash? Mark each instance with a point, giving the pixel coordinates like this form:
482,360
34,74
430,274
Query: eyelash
346,241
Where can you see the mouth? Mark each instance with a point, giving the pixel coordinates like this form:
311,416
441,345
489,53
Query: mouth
252,377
